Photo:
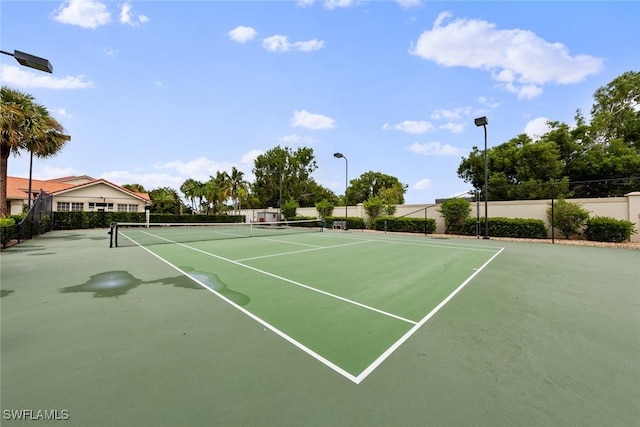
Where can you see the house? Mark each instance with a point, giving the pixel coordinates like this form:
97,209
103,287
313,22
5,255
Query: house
76,193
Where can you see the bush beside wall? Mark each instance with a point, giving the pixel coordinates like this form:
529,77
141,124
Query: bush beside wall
405,225
605,229
507,227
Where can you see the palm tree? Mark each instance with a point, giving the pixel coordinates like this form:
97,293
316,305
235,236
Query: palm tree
189,189
238,187
25,125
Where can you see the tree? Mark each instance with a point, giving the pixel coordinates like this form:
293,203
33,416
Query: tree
324,208
136,188
282,173
190,188
454,211
568,217
376,184
237,187
616,111
289,209
165,200
25,125
373,206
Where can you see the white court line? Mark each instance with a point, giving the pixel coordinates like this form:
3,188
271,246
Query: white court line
421,323
404,242
272,328
367,371
284,279
316,248
290,243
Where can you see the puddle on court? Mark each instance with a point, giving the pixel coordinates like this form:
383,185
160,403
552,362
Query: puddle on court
117,283
214,282
43,253
5,292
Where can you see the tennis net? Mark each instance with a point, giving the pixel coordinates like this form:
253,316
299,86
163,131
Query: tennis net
143,234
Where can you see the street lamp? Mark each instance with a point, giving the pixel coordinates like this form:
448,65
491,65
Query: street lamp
31,61
482,121
280,199
346,184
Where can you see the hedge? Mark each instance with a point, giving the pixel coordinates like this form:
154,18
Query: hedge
605,229
507,227
80,220
405,225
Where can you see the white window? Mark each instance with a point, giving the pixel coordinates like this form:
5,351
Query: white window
122,208
77,207
63,206
133,208
100,207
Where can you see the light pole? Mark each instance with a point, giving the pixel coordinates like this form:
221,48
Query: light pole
280,198
346,184
42,64
482,121
31,61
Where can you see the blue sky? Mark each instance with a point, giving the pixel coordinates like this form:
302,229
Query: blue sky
155,92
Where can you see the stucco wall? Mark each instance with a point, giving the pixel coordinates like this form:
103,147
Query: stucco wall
623,208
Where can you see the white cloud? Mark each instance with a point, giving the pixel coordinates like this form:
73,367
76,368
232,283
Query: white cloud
149,180
489,103
199,169
242,34
109,51
453,127
423,184
537,127
49,172
411,126
434,149
84,13
249,157
127,18
17,76
406,4
296,139
305,3
519,60
309,120
334,4
62,113
280,43
455,114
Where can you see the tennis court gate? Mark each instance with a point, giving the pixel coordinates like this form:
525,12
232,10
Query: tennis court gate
38,221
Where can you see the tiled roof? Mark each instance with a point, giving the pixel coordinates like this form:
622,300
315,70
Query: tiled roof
18,188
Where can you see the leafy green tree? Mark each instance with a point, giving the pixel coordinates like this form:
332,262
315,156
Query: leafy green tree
568,217
25,125
325,208
373,206
615,113
376,184
289,209
190,190
283,171
136,188
165,200
455,212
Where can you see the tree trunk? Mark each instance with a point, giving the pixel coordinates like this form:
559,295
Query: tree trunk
4,158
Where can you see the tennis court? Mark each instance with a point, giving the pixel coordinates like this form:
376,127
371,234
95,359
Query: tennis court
319,328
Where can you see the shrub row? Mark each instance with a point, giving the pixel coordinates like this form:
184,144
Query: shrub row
405,225
80,220
507,227
604,229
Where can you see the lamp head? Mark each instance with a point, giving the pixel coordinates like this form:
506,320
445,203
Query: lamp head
338,155
481,121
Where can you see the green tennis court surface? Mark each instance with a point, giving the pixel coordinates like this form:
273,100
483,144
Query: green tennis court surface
328,328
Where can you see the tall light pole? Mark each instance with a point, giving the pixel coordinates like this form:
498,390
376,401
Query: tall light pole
31,61
35,62
482,121
346,184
